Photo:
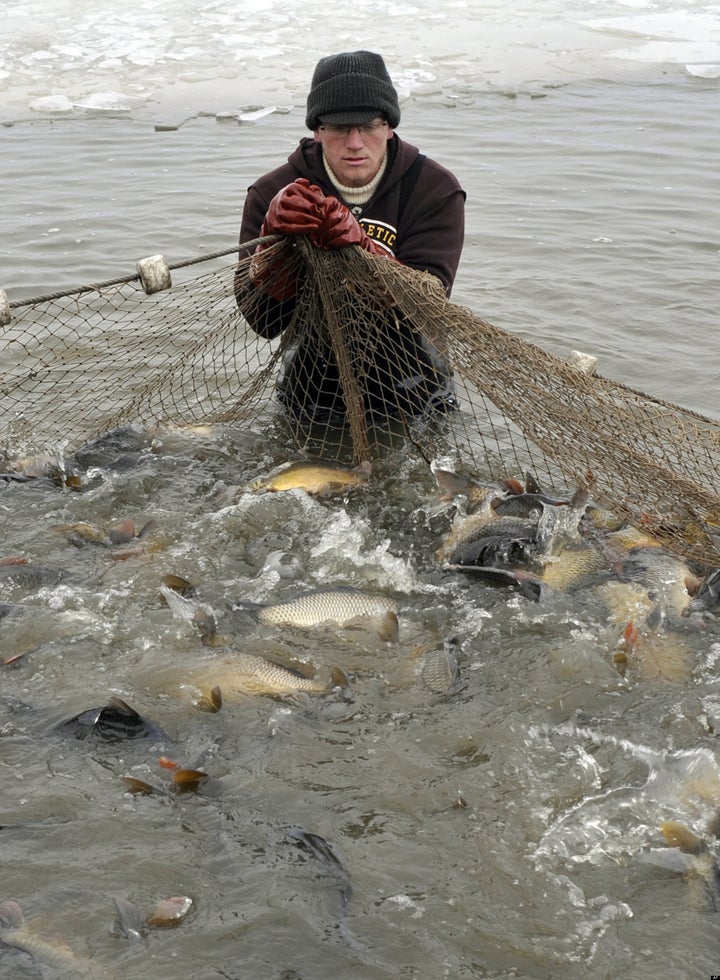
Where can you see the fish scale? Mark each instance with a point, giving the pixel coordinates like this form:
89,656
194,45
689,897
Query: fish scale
327,606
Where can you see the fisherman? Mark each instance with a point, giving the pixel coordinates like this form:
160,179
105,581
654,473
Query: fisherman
355,182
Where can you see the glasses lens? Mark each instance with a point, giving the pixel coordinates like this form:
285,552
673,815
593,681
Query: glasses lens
365,129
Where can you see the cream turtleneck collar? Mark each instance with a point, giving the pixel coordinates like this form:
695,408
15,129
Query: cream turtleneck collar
356,196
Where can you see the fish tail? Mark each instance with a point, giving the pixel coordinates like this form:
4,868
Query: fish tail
130,919
339,678
387,626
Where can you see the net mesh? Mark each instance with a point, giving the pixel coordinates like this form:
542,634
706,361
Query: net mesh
77,364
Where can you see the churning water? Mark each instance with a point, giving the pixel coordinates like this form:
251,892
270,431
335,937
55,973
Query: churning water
510,829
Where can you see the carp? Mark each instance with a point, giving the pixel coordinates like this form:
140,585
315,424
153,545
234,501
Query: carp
315,478
339,606
64,962
250,674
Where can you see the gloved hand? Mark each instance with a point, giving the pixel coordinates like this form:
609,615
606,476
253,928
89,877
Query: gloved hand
340,229
296,209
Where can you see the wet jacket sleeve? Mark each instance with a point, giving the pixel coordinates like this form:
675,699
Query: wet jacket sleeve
267,317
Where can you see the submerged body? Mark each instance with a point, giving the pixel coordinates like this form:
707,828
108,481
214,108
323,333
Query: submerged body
14,932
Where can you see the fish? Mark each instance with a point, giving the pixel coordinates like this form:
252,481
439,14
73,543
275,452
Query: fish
246,673
115,721
43,466
133,923
495,525
707,594
64,962
81,533
338,606
114,449
701,862
508,497
18,571
541,551
648,600
182,781
170,912
440,671
319,849
314,478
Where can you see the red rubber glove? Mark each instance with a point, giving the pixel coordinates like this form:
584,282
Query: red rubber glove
340,228
296,209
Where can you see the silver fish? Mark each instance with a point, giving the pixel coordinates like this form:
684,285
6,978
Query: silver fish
245,672
337,606
249,674
439,671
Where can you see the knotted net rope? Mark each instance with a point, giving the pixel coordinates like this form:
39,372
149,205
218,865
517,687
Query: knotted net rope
77,364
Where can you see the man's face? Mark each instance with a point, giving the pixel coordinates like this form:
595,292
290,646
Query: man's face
355,153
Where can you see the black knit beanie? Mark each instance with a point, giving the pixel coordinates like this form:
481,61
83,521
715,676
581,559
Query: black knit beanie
350,89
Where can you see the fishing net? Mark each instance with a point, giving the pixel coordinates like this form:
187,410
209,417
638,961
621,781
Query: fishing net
372,355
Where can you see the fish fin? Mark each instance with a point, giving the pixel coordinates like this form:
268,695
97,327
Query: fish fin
211,703
148,528
364,469
531,484
130,919
11,916
513,487
713,827
339,678
189,780
678,835
138,787
387,626
179,585
122,706
204,620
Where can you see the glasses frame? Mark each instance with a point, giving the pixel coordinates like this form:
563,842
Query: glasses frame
371,128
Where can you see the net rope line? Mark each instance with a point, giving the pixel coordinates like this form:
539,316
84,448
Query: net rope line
76,363
98,286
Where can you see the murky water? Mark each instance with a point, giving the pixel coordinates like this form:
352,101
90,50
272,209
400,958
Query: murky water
508,829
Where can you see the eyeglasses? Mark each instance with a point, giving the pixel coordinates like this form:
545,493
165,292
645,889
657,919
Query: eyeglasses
342,132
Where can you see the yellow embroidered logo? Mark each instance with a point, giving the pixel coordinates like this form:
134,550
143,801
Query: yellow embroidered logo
381,233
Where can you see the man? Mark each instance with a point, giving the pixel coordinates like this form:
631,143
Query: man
355,182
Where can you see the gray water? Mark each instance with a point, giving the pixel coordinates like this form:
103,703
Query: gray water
508,830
